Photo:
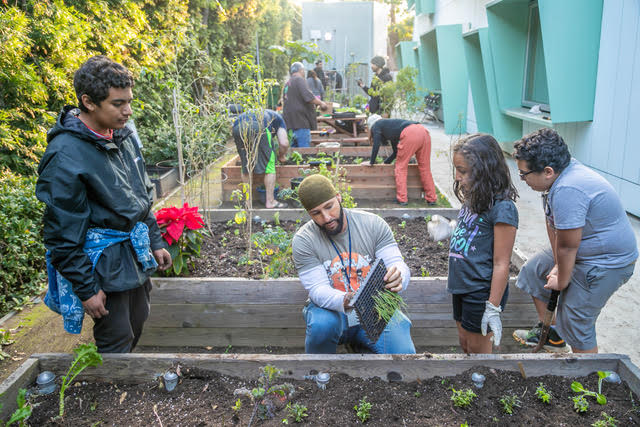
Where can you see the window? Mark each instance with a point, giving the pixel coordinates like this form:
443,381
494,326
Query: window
535,75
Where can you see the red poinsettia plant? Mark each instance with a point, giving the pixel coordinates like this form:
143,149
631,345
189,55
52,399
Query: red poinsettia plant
183,229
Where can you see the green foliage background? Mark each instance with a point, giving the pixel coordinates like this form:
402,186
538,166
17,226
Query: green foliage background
166,44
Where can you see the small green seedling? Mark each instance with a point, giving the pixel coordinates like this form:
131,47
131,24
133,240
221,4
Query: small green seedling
403,224
297,412
386,304
86,355
509,402
606,421
296,157
363,410
580,404
23,412
464,424
462,398
417,394
600,398
543,394
237,406
262,396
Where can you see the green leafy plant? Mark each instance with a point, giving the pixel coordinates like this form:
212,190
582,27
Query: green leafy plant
5,339
424,272
23,412
509,402
237,406
386,303
261,396
462,398
417,394
600,398
606,421
363,409
297,412
273,246
183,230
22,262
464,424
86,356
403,224
358,160
580,404
543,394
338,177
296,157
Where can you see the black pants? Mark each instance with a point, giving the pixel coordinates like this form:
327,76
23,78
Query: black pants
120,330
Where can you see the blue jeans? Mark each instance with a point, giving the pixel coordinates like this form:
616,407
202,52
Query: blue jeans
327,328
301,138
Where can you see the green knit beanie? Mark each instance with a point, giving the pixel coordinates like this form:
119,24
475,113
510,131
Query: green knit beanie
315,190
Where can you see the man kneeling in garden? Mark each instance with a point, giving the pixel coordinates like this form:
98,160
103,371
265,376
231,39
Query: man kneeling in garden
102,237
333,254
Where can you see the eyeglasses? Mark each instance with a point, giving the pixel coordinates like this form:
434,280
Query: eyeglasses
524,174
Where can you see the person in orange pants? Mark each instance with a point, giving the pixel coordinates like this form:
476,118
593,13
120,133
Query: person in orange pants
407,139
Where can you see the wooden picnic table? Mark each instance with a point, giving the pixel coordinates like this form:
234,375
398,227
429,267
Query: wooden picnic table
354,121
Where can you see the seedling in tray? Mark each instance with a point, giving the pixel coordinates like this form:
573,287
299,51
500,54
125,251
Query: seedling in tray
374,304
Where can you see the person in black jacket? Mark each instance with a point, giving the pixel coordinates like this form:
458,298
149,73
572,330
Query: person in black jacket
382,75
102,237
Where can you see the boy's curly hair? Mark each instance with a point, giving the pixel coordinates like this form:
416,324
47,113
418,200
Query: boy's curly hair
96,76
542,148
490,177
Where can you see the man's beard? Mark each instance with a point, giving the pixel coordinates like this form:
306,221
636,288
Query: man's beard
338,229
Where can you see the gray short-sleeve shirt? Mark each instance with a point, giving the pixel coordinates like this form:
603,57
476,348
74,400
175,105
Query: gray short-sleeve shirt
581,198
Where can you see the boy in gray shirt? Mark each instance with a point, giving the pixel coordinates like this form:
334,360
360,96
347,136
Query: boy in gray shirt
593,248
333,254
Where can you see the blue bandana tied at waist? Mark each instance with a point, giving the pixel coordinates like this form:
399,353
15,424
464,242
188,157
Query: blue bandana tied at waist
60,296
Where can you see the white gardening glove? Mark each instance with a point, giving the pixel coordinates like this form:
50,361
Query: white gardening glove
491,317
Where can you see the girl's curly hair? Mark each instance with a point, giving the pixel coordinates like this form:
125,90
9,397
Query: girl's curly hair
489,179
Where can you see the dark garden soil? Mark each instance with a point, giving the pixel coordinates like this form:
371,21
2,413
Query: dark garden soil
221,252
206,399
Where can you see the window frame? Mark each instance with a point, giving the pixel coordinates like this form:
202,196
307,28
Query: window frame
524,101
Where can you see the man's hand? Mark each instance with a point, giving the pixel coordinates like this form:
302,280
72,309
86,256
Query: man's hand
552,283
282,159
323,105
393,279
360,83
491,317
94,306
163,258
347,299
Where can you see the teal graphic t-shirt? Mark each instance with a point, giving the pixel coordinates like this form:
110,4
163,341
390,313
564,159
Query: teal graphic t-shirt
471,246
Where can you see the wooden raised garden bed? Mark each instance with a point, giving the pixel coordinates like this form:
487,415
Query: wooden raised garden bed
403,389
367,183
223,311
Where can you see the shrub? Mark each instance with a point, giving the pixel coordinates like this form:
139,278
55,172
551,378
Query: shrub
22,265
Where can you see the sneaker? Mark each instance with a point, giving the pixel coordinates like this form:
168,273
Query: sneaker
554,344
401,203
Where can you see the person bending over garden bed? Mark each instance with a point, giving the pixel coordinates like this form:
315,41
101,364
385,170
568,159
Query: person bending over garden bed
248,130
407,139
333,253
593,249
102,237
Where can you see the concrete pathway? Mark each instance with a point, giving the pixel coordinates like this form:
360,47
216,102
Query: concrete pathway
618,326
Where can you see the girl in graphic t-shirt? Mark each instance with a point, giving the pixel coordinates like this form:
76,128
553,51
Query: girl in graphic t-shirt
481,245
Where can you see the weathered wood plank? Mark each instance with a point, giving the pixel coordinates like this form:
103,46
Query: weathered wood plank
234,316
137,368
23,377
278,291
286,337
630,374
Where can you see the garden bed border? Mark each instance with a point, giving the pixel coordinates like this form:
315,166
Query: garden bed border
139,368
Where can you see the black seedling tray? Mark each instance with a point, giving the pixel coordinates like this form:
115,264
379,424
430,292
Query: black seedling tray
364,304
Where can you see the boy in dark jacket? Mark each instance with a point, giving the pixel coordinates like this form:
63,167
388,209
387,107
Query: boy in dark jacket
102,238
